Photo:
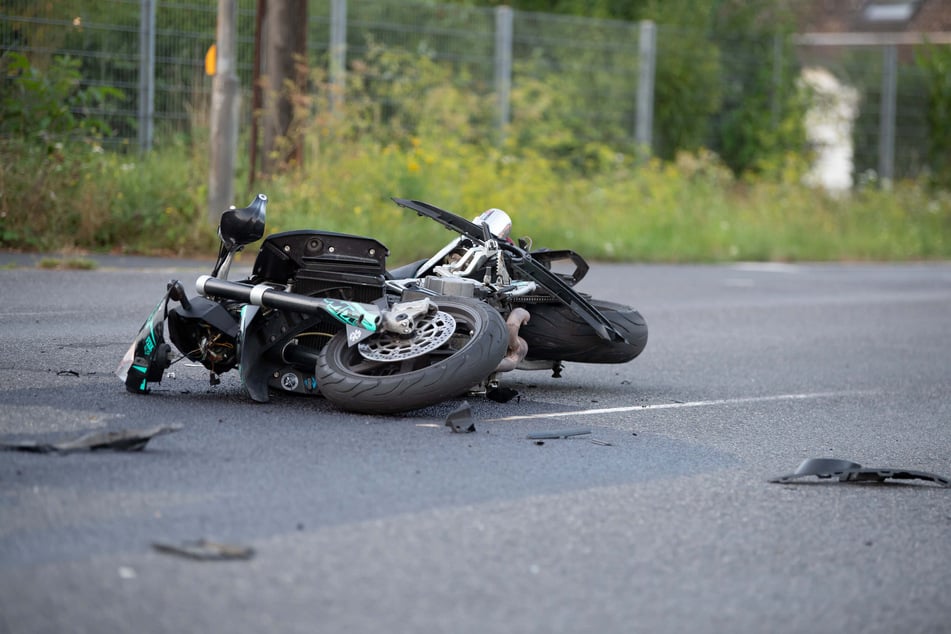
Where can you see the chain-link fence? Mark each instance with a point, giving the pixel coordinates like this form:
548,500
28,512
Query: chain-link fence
596,68
889,100
107,36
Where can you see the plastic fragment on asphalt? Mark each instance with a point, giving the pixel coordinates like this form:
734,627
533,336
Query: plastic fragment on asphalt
848,471
558,433
460,419
502,394
204,550
123,440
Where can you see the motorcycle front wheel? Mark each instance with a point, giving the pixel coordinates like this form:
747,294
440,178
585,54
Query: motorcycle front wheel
446,357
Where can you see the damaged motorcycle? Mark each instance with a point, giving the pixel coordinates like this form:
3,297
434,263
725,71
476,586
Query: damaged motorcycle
320,314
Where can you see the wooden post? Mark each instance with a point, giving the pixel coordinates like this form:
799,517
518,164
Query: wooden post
224,114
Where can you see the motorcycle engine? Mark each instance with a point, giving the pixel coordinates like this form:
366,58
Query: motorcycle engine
205,332
454,286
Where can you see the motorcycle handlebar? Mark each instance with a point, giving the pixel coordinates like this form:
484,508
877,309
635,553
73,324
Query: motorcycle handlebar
263,295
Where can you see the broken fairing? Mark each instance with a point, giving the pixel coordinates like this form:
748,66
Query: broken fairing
121,440
847,471
147,358
460,420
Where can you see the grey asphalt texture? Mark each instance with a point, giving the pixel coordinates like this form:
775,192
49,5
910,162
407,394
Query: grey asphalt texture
396,524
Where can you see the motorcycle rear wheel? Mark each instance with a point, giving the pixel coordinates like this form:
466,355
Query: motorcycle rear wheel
557,333
354,383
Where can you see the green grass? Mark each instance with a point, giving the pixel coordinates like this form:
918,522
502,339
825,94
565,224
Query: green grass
72,264
688,210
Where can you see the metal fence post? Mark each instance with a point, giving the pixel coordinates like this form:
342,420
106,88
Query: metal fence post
503,65
886,145
146,73
647,56
338,54
774,100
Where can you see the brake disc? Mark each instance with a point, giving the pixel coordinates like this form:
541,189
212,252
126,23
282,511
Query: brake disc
431,332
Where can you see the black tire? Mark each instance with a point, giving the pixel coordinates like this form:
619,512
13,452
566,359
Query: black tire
557,333
353,383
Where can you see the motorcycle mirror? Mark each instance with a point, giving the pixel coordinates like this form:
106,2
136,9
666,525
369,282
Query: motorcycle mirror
240,227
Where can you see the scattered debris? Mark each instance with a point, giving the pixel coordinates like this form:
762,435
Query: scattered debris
847,471
558,433
540,436
460,419
205,550
67,373
124,440
502,394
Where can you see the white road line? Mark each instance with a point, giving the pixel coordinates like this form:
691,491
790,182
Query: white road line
639,408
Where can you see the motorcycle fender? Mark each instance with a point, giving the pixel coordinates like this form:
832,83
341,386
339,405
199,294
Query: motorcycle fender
147,358
254,375
355,334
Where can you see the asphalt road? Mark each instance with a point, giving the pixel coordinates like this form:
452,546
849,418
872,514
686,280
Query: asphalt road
395,524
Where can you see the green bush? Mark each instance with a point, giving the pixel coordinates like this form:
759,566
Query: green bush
74,195
935,62
52,104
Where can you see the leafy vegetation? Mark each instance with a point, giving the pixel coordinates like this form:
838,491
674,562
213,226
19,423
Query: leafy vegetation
44,105
59,188
688,209
562,188
935,62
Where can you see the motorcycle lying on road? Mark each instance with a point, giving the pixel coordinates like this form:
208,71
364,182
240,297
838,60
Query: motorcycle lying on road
320,314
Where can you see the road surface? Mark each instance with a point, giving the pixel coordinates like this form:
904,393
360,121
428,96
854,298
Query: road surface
394,524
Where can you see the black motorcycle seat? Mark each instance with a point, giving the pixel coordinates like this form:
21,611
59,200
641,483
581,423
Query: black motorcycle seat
404,272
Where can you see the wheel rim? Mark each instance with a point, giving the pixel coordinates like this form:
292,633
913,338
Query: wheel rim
430,333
